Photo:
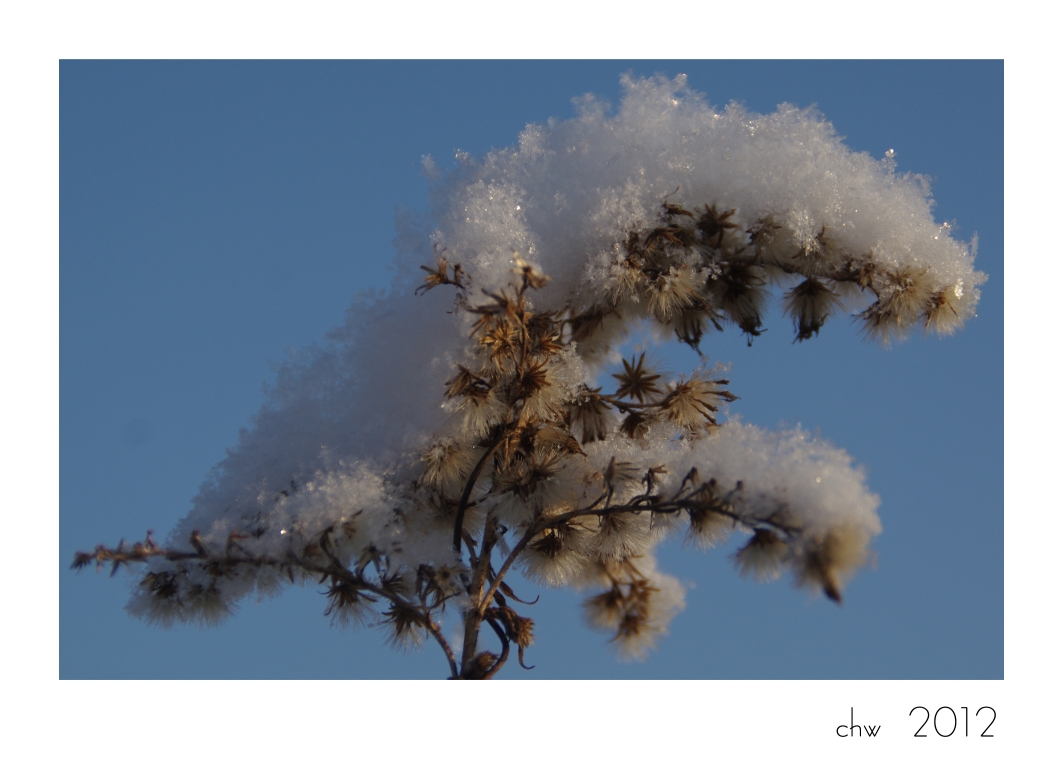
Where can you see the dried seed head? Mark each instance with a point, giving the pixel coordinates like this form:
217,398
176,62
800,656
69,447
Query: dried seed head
531,485
690,324
518,628
618,474
691,404
500,340
708,528
948,309
467,384
543,398
544,336
765,237
555,436
711,513
818,256
605,609
589,416
672,292
482,411
762,556
625,281
649,605
622,535
739,292
904,296
636,425
637,380
530,276
347,606
447,464
481,665
181,595
712,224
406,626
524,476
810,303
827,560
670,210
438,276
558,555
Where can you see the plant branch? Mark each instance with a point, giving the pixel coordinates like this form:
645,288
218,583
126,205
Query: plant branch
434,630
474,616
501,660
459,517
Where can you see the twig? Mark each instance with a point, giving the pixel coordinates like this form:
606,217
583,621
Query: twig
459,518
505,650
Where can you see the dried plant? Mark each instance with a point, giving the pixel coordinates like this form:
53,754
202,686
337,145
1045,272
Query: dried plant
532,466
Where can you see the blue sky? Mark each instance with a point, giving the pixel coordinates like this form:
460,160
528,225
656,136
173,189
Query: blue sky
215,214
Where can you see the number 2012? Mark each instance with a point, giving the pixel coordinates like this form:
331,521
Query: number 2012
951,727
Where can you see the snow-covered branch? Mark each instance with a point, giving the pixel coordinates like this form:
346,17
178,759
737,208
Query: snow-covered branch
457,428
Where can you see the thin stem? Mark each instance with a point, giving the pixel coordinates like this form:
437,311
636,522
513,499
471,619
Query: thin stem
501,660
459,518
474,616
669,508
470,542
625,405
434,630
517,549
